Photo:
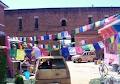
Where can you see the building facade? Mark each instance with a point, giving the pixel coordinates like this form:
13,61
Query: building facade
2,6
30,22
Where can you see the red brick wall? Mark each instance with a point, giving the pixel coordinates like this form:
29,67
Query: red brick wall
49,19
1,18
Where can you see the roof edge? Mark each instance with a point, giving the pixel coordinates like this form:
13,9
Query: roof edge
3,4
56,8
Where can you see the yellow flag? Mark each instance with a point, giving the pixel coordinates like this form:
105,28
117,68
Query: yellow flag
112,39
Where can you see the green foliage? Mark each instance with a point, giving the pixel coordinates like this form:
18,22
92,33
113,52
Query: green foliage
19,79
3,65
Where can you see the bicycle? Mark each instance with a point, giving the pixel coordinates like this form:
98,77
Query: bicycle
103,70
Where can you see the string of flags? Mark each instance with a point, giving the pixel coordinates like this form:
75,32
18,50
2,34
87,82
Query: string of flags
106,33
94,46
100,23
110,29
60,35
85,46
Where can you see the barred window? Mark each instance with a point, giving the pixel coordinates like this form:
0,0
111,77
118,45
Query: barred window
90,20
63,22
20,24
36,23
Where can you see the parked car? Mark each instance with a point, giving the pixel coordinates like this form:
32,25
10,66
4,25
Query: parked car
87,56
52,70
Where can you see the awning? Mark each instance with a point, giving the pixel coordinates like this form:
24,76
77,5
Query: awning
110,29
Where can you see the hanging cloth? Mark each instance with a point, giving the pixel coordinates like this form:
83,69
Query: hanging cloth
13,52
20,54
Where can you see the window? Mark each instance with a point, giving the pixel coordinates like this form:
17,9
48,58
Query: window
20,23
63,22
106,16
36,24
52,64
90,20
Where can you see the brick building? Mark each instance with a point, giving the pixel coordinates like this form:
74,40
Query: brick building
2,6
30,22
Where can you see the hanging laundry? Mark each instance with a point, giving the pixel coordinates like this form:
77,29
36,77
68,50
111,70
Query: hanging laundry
35,38
79,50
117,26
49,48
102,22
41,46
101,44
91,47
20,54
84,28
118,37
66,34
96,46
76,30
13,51
42,38
24,39
59,35
85,48
97,24
72,50
65,52
83,42
46,37
81,29
89,26
50,37
28,53
92,26
46,46
112,39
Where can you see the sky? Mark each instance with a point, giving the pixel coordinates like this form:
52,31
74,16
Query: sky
28,4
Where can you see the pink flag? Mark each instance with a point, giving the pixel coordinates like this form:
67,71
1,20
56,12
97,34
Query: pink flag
79,50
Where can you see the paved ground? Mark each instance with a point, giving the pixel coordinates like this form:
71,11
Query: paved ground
82,73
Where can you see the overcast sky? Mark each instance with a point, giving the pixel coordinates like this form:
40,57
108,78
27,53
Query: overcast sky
24,4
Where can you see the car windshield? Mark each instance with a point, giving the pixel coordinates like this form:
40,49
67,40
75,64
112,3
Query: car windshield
52,64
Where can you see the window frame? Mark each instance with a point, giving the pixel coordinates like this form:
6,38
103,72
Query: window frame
36,23
20,23
63,22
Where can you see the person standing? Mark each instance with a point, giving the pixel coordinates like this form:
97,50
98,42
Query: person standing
36,52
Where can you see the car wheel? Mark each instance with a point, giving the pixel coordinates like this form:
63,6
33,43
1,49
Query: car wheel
74,61
79,60
88,61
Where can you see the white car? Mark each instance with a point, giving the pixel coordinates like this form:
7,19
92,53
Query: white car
87,56
52,70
